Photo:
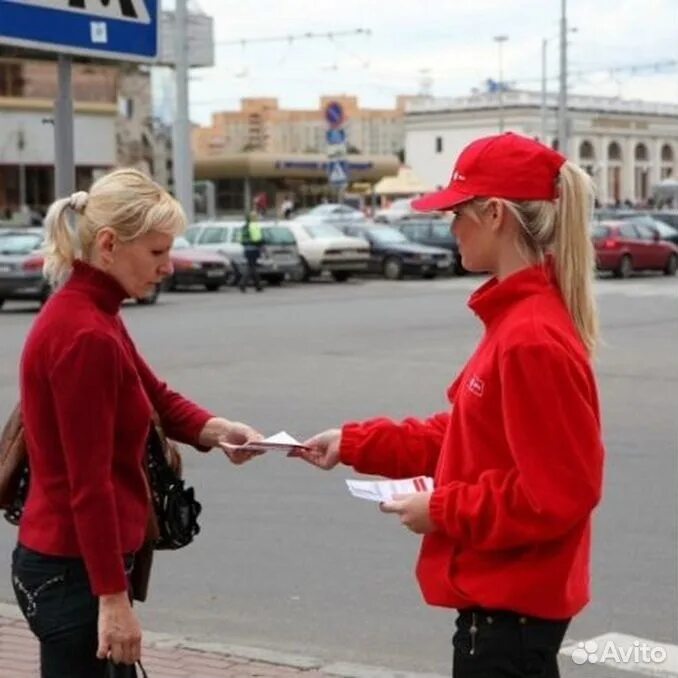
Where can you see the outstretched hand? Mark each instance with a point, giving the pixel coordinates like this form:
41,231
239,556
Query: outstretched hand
231,437
323,449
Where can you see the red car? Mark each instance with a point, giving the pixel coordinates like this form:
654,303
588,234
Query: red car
197,267
624,247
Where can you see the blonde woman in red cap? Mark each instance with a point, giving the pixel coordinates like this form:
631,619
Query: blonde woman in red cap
517,458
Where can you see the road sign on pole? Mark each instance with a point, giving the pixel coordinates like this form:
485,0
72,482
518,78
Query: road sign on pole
125,30
337,173
334,114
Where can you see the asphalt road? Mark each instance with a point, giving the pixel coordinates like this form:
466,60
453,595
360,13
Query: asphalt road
286,559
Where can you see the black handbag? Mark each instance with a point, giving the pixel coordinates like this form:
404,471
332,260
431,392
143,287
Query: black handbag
114,670
175,506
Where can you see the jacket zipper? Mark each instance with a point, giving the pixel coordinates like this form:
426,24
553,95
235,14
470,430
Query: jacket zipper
473,631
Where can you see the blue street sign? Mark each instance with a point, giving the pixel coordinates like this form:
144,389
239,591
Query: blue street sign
337,172
334,114
335,136
113,29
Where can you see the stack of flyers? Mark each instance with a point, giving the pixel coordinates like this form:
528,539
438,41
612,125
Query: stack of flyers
384,490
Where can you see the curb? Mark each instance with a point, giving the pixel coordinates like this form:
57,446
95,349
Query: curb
258,654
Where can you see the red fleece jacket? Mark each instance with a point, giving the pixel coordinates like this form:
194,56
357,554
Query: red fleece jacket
86,397
517,462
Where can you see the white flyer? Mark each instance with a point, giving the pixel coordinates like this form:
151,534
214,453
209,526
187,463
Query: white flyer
384,490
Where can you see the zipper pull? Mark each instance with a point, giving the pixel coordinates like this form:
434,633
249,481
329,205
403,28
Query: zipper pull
473,631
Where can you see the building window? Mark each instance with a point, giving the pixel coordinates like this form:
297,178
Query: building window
11,80
614,151
641,152
586,151
439,144
667,153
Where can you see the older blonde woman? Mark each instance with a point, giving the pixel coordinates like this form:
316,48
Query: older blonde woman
87,396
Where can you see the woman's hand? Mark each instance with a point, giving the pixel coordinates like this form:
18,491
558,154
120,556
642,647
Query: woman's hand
119,630
413,511
324,449
230,436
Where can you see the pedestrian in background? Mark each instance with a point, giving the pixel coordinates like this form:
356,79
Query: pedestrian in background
86,398
517,460
252,241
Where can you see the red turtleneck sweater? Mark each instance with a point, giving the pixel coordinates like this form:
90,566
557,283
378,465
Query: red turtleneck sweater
517,461
86,397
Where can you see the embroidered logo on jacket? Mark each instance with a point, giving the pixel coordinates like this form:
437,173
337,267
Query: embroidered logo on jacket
476,385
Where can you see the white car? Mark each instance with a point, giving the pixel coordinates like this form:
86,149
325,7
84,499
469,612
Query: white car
279,255
324,247
331,213
397,210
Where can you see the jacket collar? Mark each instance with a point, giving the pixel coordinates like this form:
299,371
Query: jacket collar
104,290
493,298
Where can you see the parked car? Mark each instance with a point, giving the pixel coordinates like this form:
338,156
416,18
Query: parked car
436,232
394,256
279,254
665,231
193,266
331,213
324,247
624,247
396,210
21,265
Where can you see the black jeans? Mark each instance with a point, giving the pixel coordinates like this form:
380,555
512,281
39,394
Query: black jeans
251,273
54,596
499,644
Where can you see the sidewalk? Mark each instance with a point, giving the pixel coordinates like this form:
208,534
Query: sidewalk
166,656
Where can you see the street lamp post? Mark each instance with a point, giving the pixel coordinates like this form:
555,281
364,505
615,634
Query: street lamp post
544,82
500,40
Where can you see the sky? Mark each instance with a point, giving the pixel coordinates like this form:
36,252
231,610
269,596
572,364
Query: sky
445,46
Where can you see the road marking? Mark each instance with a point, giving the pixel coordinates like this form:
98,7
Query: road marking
625,653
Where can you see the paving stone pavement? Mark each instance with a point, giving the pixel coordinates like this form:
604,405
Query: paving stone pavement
167,656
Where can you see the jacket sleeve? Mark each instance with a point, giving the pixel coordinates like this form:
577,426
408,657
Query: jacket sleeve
551,417
181,419
85,382
394,449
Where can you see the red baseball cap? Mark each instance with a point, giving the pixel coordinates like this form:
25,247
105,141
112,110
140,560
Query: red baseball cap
506,165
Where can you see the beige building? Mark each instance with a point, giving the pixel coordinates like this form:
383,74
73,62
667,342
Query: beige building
113,126
261,125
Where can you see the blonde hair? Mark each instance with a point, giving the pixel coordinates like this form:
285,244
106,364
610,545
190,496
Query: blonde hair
125,200
561,228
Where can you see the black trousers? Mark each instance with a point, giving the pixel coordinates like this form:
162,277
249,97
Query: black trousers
54,596
500,644
250,273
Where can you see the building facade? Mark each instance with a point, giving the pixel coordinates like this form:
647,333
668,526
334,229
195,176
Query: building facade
113,126
626,146
261,125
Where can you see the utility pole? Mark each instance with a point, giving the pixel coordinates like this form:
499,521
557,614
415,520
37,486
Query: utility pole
182,158
544,44
500,40
20,145
563,141
64,166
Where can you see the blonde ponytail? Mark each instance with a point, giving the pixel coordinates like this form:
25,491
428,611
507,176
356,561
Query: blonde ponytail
560,228
60,246
573,251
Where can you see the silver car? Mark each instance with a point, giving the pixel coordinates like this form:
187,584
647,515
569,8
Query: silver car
21,265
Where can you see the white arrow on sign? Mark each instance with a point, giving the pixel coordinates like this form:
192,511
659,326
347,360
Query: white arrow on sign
127,10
